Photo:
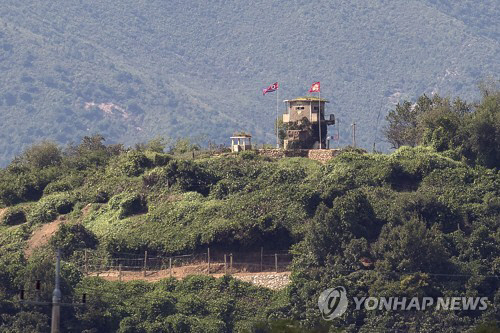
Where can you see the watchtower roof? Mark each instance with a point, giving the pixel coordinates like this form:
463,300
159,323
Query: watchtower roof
241,135
307,99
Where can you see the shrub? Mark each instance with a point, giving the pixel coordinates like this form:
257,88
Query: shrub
185,175
8,194
159,159
67,183
129,204
420,161
351,170
25,185
49,207
70,238
288,175
411,165
248,155
57,186
101,197
130,164
14,216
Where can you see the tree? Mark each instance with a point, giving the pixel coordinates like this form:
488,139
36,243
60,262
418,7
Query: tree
91,152
157,145
410,247
443,124
41,155
484,131
405,122
182,146
401,129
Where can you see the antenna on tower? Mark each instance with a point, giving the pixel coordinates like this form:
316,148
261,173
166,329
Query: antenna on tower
353,134
376,126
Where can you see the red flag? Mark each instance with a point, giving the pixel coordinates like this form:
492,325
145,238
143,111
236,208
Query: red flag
271,88
315,87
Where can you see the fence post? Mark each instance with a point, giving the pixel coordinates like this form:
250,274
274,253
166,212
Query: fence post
170,265
86,261
261,257
231,262
145,262
120,272
225,264
276,261
208,256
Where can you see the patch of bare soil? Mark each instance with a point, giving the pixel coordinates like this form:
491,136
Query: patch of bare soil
88,208
3,211
42,235
184,271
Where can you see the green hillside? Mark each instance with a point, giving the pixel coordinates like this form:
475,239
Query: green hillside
132,70
421,222
430,225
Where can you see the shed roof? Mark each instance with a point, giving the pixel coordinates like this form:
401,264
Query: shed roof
241,137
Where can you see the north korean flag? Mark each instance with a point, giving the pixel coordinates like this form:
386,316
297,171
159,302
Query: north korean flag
271,88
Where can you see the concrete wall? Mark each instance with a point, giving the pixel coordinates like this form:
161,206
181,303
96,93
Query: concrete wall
322,155
273,281
308,111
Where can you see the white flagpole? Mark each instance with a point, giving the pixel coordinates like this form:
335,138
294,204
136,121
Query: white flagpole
277,116
319,116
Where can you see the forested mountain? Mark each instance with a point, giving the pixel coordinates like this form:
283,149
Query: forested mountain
131,70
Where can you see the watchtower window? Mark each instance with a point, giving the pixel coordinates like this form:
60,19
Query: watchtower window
299,108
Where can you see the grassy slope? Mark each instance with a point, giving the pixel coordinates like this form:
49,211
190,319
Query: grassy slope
362,199
256,202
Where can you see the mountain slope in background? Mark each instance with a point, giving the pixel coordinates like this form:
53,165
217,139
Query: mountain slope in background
132,70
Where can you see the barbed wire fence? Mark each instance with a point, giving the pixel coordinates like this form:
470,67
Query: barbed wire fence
127,266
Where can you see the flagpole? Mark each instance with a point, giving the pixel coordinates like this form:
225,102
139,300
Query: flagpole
319,117
338,133
277,107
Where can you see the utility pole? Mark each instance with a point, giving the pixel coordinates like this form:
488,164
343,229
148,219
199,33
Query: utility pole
354,135
56,299
55,326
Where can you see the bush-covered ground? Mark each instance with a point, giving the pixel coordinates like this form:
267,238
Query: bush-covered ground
428,224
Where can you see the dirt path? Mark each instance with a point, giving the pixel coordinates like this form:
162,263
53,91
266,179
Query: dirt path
271,280
42,235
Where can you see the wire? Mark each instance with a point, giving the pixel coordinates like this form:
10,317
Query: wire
257,263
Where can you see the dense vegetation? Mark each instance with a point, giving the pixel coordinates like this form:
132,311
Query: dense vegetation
464,131
425,218
132,70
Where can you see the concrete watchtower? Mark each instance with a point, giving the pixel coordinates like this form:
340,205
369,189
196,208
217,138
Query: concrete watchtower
302,120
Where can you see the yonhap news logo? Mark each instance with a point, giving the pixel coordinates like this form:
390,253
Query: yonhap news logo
333,303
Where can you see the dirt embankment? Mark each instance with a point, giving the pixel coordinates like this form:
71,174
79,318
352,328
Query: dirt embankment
3,211
42,235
